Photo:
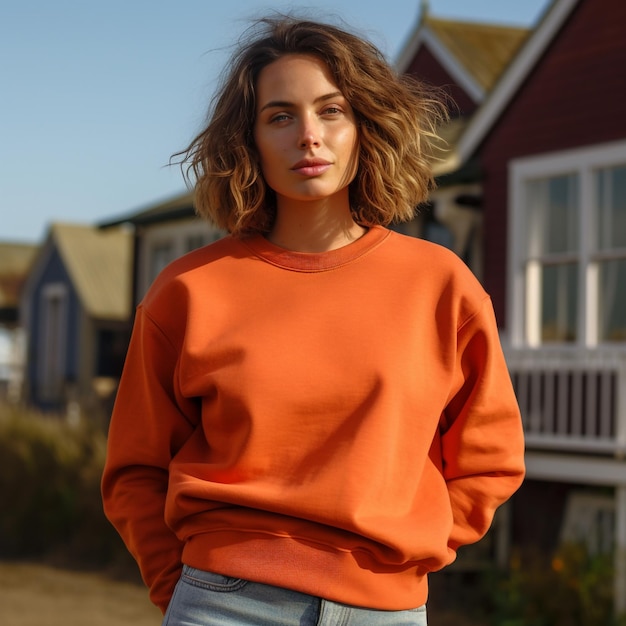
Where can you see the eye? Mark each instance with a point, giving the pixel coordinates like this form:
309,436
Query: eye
332,110
279,117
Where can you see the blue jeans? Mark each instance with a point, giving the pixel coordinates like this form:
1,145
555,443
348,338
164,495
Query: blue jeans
207,599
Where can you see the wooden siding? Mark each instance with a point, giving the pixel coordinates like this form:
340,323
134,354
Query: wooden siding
537,533
55,273
573,97
427,68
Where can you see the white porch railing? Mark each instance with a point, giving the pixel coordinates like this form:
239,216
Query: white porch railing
571,400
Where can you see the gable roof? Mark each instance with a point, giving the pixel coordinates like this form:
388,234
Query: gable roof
99,264
474,54
178,207
15,261
513,78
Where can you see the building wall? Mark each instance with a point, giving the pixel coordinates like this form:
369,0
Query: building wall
162,242
425,67
54,274
573,97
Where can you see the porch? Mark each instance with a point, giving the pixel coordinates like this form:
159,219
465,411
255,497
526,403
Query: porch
573,406
572,400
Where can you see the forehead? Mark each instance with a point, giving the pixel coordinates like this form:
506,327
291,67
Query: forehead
295,75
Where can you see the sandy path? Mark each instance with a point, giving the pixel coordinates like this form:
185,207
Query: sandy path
37,595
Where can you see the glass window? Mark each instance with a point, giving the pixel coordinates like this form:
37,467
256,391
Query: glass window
611,252
553,243
193,242
612,300
559,296
568,246
161,255
553,206
611,199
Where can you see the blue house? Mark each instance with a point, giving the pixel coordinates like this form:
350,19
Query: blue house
75,309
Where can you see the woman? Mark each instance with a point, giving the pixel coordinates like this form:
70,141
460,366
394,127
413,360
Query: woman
315,411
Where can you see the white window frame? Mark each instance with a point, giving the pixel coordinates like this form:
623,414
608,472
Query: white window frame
523,296
176,235
161,253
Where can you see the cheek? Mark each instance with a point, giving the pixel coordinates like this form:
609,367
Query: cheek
267,158
349,140
355,151
268,148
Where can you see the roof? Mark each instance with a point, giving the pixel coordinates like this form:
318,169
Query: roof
100,266
513,77
15,262
484,50
475,54
173,208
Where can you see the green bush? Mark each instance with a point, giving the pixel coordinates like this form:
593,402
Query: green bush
50,492
573,588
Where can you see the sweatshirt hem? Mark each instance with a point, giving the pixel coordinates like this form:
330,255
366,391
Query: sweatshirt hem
349,577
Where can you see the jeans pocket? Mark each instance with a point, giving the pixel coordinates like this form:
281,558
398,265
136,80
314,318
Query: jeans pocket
211,580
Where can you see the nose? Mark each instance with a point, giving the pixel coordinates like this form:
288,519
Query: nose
309,133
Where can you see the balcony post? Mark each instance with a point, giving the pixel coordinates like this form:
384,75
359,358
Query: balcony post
620,550
621,409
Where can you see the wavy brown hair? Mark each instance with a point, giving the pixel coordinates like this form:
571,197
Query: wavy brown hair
396,115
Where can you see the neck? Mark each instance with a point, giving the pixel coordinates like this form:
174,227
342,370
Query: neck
314,227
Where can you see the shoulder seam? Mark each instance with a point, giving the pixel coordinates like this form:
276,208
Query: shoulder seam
485,298
151,319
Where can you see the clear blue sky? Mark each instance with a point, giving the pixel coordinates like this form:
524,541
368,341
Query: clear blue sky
95,95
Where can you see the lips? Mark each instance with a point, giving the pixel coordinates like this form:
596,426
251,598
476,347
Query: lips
311,167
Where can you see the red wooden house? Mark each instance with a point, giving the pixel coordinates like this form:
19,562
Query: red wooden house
543,152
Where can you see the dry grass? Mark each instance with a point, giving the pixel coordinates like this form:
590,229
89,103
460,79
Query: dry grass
38,595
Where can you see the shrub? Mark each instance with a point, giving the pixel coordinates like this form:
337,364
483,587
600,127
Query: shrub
50,492
573,588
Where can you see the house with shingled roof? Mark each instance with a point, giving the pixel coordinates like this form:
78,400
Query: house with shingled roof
162,231
75,307
544,153
465,60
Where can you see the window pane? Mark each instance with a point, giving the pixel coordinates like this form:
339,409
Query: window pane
193,242
559,302
161,255
553,207
562,216
611,190
612,304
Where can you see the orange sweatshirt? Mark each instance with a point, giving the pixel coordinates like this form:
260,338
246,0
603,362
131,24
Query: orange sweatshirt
335,423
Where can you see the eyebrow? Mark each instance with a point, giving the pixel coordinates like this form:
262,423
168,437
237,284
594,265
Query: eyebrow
284,104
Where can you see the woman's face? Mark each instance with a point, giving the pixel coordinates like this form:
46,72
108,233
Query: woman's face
305,131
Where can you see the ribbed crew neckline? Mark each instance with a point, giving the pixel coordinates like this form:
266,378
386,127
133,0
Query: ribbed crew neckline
315,261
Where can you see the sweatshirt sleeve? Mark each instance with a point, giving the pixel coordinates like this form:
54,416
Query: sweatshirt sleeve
150,422
482,436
